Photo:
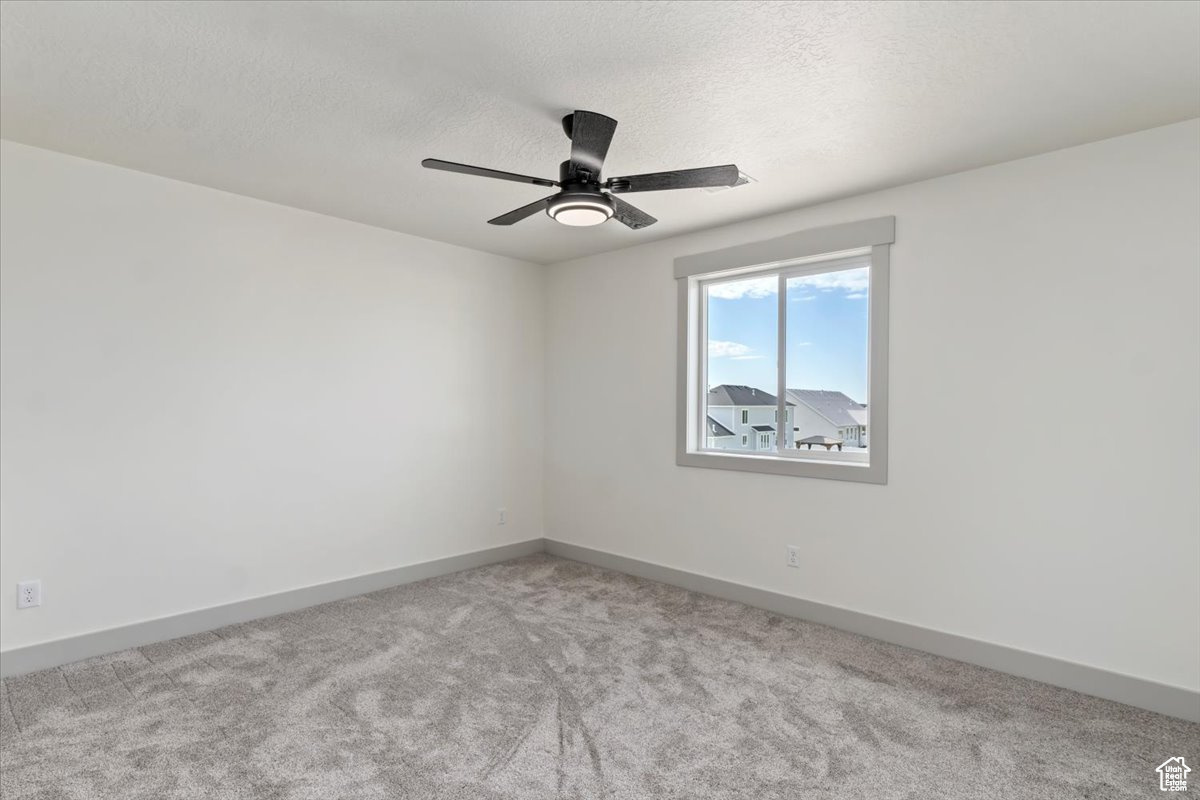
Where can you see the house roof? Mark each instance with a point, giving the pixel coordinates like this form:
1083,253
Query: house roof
764,428
728,394
717,429
833,406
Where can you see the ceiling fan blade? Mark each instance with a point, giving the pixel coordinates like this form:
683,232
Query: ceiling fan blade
676,179
591,134
484,172
518,214
630,215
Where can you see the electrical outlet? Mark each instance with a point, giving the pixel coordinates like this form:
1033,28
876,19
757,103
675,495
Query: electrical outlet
29,594
793,556
501,516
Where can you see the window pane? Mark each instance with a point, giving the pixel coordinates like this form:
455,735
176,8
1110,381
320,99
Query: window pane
741,364
826,370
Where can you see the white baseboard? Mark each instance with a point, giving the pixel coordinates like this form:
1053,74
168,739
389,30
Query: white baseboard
1174,701
45,655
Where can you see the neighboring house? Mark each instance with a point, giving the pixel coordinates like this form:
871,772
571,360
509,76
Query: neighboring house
743,418
718,435
832,414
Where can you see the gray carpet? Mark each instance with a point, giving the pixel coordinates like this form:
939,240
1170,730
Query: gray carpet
543,678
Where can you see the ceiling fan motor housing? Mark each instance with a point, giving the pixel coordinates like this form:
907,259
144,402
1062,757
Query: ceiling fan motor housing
581,202
568,176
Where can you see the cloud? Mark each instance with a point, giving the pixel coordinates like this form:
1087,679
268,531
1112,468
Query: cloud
847,280
720,349
850,280
735,351
754,288
800,344
856,296
804,299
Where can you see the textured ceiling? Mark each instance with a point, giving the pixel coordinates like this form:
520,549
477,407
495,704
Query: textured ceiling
331,106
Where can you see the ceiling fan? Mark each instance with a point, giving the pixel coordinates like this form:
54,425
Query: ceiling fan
584,199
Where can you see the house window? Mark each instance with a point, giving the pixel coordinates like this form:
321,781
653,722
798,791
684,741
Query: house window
796,325
745,440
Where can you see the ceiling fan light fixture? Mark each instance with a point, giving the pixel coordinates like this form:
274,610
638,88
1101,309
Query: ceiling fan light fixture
580,211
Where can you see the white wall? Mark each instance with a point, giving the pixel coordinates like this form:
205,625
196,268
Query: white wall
1057,293
207,398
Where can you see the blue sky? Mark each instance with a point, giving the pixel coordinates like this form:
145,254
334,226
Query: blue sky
826,336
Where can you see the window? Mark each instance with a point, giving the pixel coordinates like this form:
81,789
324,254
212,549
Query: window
793,328
745,440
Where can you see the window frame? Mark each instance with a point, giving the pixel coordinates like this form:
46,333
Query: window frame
813,251
782,273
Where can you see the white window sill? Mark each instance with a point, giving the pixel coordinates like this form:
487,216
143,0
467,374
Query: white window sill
841,469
